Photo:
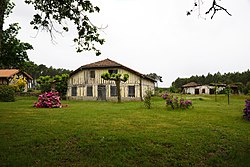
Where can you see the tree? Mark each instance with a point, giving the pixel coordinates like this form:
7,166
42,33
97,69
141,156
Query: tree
14,52
147,98
45,83
155,77
215,7
60,81
60,12
62,84
117,78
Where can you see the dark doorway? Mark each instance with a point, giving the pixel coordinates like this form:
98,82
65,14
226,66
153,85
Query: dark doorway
101,92
211,91
197,91
203,91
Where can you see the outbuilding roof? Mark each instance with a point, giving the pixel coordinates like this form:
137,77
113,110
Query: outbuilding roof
6,73
191,84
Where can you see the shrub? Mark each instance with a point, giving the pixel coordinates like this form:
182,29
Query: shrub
247,110
19,84
48,100
147,98
7,93
175,103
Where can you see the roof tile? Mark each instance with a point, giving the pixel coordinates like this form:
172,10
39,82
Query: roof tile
8,72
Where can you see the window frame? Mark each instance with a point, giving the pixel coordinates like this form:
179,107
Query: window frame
90,89
130,89
92,74
113,71
113,91
74,91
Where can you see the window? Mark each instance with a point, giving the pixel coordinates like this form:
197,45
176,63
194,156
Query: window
113,91
203,91
131,91
113,71
89,91
74,91
92,74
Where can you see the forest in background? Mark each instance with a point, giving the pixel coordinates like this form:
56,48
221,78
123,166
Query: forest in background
241,79
42,70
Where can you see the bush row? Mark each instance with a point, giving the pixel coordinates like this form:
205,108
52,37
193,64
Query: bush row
7,93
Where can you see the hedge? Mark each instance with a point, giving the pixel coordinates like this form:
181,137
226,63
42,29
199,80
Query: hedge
7,93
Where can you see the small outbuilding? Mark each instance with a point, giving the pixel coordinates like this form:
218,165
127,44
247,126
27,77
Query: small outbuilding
194,88
9,76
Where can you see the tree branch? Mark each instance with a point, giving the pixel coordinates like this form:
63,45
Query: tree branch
215,8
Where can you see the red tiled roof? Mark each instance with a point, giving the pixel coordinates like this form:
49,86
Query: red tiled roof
8,73
102,64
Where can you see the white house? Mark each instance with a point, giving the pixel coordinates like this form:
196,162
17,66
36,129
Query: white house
86,83
194,88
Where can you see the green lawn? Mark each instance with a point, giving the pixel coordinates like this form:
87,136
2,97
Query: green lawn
111,134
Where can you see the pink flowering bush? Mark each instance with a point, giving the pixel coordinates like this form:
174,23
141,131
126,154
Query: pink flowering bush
175,103
247,110
48,100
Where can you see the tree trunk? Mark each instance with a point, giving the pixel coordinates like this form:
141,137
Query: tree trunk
118,90
141,95
2,9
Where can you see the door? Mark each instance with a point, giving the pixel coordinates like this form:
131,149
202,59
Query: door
197,91
101,92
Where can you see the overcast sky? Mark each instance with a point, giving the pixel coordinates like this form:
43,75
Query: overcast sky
152,37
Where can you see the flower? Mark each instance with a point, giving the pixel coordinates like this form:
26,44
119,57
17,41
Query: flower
48,100
175,103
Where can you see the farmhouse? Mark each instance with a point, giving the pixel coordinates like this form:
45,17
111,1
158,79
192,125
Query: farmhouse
86,83
194,88
10,76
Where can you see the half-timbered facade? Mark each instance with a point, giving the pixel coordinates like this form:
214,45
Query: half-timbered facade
9,77
86,83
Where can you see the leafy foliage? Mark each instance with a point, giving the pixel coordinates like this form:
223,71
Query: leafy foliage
63,11
60,81
115,77
61,84
48,100
44,83
155,77
7,93
175,103
9,6
19,84
14,52
247,110
147,98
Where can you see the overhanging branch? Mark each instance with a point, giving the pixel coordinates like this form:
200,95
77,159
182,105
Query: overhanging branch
215,8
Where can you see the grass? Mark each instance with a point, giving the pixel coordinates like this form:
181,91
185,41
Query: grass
111,134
